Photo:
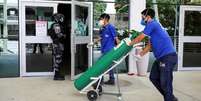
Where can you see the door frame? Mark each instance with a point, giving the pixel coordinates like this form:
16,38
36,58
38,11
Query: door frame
75,40
26,39
186,39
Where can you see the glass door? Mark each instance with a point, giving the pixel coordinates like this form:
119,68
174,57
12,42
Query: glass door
190,38
35,46
81,35
9,30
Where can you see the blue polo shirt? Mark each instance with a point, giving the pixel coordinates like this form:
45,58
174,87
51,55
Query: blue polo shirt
107,34
159,38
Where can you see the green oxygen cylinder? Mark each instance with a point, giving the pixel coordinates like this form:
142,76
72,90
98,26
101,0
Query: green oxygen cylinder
104,63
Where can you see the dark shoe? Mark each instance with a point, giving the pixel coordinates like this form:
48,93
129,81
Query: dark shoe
175,99
58,76
109,82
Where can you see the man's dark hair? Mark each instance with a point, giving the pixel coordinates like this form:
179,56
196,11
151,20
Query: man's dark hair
149,12
104,16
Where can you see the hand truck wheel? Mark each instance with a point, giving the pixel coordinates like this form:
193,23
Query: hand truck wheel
100,89
92,95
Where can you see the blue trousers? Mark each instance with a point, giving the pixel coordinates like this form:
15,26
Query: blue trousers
111,75
162,75
111,72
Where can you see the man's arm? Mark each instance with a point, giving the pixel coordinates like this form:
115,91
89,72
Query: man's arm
97,40
146,49
137,39
117,40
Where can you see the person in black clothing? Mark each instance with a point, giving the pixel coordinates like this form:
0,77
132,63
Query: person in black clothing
40,47
57,35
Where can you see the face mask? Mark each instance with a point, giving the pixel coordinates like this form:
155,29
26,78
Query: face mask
143,22
101,23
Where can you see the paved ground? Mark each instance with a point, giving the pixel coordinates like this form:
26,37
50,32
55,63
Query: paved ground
187,87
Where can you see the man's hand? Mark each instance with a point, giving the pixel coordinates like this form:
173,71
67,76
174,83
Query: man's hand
117,40
90,45
138,39
97,40
138,44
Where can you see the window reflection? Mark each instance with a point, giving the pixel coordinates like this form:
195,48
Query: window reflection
34,14
192,55
1,12
39,57
192,25
81,60
81,23
9,31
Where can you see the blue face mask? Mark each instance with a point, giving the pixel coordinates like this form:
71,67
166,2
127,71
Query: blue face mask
143,22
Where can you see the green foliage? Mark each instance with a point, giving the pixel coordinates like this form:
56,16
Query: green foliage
123,34
123,9
126,33
122,6
167,13
135,33
99,8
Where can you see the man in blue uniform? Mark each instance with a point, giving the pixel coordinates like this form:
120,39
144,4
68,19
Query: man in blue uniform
166,58
108,38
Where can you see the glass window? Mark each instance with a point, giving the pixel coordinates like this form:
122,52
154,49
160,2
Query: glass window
34,14
81,23
9,40
39,57
12,13
1,30
192,55
192,25
81,63
13,32
8,58
1,12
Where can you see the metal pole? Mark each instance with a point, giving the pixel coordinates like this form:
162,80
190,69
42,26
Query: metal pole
5,19
119,95
176,27
5,32
155,9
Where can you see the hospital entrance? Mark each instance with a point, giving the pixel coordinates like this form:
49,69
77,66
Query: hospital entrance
35,43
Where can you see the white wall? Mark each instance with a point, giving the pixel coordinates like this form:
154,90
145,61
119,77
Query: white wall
136,7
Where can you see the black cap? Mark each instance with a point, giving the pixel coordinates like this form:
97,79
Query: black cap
104,16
